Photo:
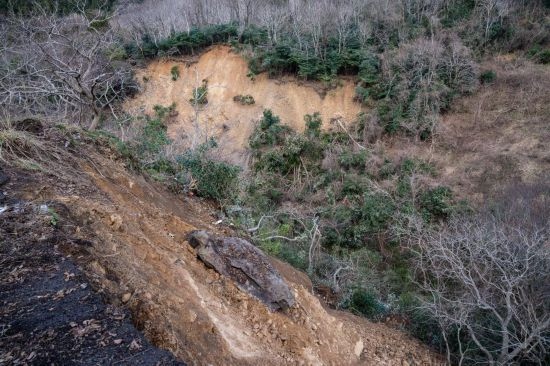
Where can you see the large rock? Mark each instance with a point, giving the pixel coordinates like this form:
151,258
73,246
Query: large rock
245,264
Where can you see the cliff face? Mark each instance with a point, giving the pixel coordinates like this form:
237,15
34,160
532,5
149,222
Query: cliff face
137,256
230,122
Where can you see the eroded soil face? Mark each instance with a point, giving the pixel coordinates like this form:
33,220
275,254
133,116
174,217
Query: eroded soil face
230,122
137,256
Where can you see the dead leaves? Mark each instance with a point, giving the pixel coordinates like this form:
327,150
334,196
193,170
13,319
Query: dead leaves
88,326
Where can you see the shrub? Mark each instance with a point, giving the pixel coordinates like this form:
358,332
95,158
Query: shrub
270,132
421,80
212,179
175,72
539,54
244,99
353,159
313,124
365,303
436,203
487,77
200,94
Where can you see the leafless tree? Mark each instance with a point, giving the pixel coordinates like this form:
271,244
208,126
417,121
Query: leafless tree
61,66
487,283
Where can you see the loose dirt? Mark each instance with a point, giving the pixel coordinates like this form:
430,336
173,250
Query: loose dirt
137,256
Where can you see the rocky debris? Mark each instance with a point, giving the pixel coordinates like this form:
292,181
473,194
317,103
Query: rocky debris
245,264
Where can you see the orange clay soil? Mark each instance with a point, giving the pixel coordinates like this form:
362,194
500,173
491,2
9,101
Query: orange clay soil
230,122
139,257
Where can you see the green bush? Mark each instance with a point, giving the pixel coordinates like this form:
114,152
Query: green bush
487,77
353,159
200,94
153,137
214,179
365,303
270,132
184,43
436,203
539,54
175,72
244,99
313,124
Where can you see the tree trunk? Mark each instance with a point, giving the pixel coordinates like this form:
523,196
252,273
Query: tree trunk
95,121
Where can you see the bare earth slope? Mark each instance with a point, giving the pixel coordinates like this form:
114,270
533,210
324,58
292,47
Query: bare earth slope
138,256
498,135
230,122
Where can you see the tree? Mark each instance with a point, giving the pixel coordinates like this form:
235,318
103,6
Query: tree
65,66
486,281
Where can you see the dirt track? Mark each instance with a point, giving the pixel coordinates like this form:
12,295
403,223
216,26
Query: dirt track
49,313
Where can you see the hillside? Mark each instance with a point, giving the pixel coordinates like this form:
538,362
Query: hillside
496,136
230,122
289,182
136,255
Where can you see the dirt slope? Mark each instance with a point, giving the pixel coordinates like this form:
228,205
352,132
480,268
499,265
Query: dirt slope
230,122
138,257
49,314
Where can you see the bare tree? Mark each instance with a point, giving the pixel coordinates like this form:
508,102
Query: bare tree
61,65
487,283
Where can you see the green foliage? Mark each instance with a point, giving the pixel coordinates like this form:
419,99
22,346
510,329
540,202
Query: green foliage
200,94
270,132
175,72
487,77
213,179
153,137
353,159
456,11
365,303
539,54
54,217
244,99
369,75
313,125
184,43
422,79
436,203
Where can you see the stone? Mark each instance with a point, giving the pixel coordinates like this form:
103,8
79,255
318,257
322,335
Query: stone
245,264
126,297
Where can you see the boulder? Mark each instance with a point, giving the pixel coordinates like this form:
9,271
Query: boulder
245,264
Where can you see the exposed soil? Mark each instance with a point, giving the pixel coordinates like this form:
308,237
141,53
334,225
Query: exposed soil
128,234
230,122
49,313
498,135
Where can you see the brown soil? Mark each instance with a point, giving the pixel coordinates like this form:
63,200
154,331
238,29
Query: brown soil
230,122
138,256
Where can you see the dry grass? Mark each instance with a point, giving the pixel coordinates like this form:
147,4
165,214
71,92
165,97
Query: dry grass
33,150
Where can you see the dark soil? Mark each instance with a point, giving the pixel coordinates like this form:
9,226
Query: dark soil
49,312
